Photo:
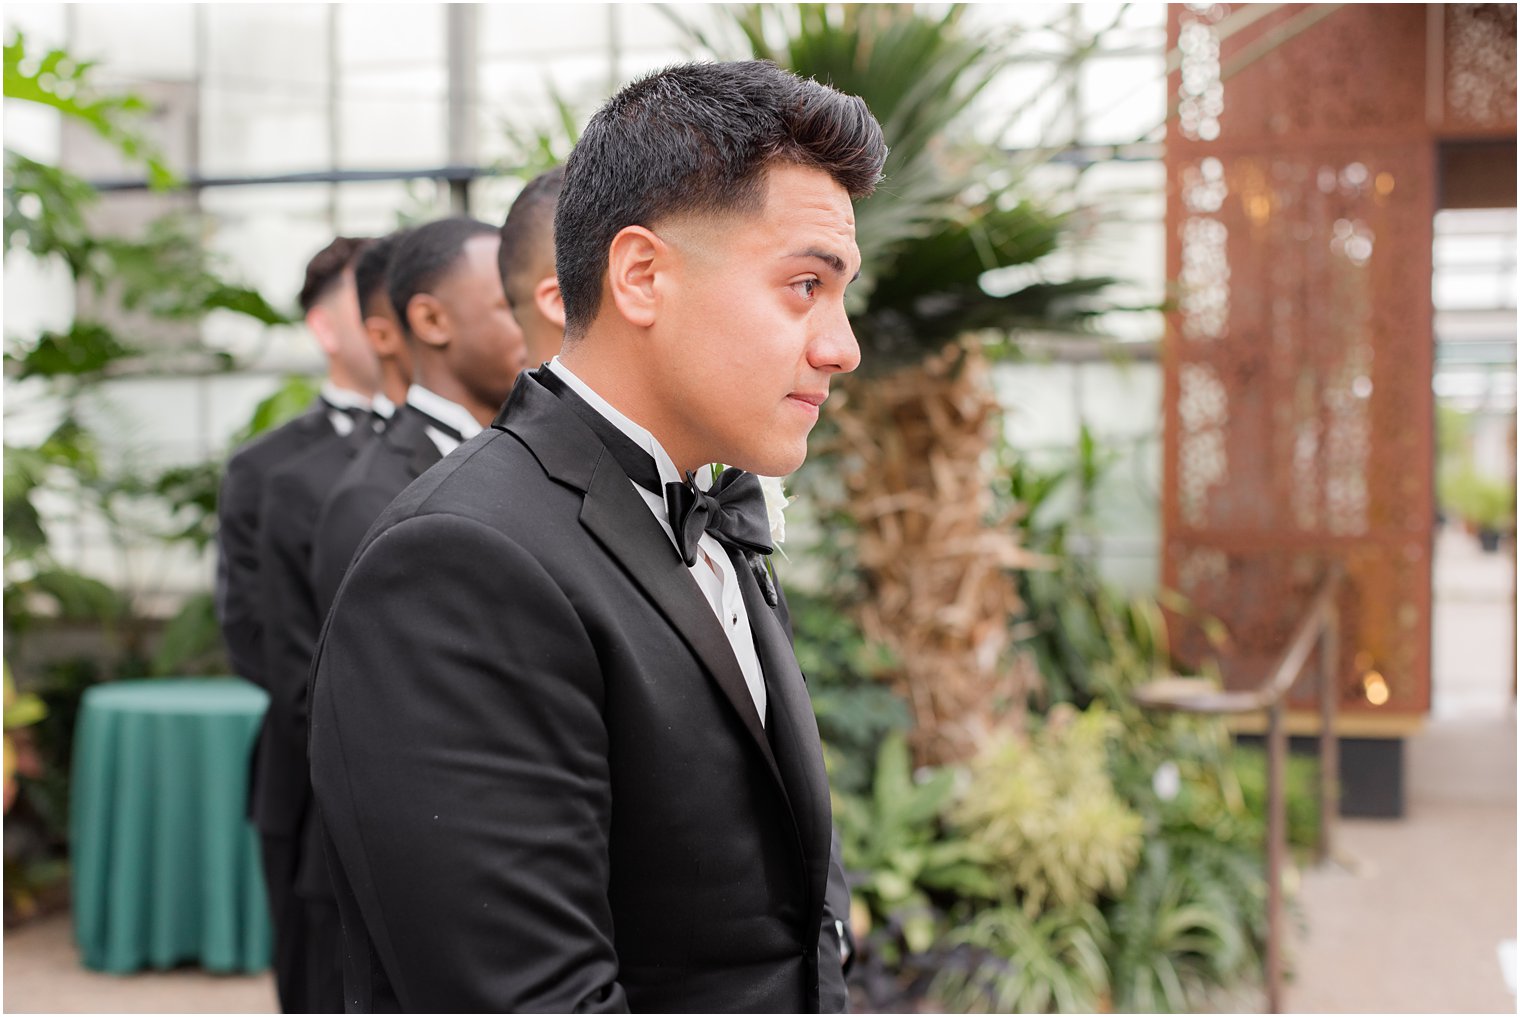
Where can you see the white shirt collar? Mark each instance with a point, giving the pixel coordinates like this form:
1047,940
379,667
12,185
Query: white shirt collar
382,406
640,436
343,398
445,411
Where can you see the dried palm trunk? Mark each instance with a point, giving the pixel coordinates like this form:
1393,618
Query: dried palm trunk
936,564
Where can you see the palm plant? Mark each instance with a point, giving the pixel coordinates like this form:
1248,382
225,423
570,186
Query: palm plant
910,435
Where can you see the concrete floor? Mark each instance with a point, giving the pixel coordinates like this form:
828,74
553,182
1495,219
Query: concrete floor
1413,917
43,975
1410,919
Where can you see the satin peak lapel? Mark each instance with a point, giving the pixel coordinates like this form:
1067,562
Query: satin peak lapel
794,731
412,435
618,518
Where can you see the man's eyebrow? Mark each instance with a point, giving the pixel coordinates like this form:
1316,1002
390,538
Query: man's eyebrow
834,261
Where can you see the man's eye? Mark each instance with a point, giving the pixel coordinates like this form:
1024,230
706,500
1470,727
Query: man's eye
806,287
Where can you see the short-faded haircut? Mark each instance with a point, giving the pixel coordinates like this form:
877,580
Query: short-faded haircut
326,267
698,138
527,235
425,256
372,270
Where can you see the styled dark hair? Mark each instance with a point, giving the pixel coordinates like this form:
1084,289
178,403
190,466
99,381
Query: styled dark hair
698,138
326,267
372,268
424,257
527,235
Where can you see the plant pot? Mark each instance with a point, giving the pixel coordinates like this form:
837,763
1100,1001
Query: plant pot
1488,539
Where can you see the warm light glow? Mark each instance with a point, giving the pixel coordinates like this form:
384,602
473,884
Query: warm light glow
1375,688
1259,208
1384,184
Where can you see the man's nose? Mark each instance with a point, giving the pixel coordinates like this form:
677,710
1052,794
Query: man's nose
834,349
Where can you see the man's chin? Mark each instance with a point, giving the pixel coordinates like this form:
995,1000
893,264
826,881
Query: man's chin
773,462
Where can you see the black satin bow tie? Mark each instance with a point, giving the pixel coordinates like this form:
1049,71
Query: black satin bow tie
732,510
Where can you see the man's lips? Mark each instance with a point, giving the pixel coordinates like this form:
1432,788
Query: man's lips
813,399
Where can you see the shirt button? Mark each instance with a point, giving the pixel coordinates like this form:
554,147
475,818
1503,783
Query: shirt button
734,620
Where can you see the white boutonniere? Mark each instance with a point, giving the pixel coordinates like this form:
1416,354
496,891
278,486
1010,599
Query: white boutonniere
776,501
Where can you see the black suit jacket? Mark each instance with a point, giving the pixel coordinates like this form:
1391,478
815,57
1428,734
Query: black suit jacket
238,505
544,780
379,472
293,498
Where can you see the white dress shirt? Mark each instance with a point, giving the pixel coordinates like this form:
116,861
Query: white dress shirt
339,401
713,570
445,412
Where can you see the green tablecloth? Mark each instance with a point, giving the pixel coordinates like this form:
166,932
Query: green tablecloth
165,863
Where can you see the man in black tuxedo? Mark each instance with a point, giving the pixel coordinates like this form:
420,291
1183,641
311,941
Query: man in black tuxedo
561,746
343,408
282,806
466,350
529,279
381,323
526,264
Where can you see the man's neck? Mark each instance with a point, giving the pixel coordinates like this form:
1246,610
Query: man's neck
393,384
443,384
343,396
618,380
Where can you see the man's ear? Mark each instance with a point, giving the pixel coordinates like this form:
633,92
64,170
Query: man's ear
319,323
428,320
634,261
383,335
549,301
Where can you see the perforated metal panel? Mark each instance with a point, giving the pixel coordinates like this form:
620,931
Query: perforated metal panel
1301,196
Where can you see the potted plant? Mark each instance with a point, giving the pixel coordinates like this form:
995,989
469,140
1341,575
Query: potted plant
1486,504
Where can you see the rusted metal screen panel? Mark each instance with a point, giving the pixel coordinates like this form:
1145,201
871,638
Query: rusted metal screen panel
1301,195
1472,80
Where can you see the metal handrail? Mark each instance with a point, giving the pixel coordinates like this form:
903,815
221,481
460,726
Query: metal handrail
1320,628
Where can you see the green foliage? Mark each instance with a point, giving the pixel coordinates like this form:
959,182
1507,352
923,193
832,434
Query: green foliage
286,402
1042,811
536,148
57,79
1175,933
854,709
192,641
1486,502
161,273
20,710
1088,640
86,349
1302,795
892,840
164,271
1053,962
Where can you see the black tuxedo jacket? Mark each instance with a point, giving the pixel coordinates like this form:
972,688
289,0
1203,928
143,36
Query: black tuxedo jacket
544,780
238,607
293,498
379,472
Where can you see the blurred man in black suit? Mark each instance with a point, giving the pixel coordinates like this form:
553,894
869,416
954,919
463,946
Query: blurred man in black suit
526,263
563,752
293,499
343,408
466,351
381,324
